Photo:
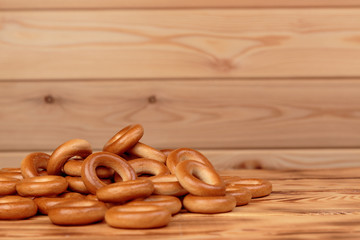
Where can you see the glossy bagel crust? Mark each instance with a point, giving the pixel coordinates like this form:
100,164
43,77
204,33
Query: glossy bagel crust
7,185
167,185
14,170
72,195
42,186
199,179
73,168
16,175
45,203
166,151
137,217
209,204
67,150
107,159
242,194
145,151
182,154
31,164
258,187
76,184
125,139
77,212
16,207
148,166
121,192
173,204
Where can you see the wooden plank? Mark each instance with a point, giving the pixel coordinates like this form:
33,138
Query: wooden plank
284,158
256,158
179,43
285,214
228,226
202,114
271,174
151,4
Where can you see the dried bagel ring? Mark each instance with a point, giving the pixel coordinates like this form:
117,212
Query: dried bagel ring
76,184
182,154
172,203
45,203
137,217
77,212
167,185
13,170
166,151
124,191
125,139
107,159
42,186
258,187
67,150
71,195
16,175
199,179
128,156
31,164
229,179
209,204
241,194
16,207
148,166
73,168
145,151
7,185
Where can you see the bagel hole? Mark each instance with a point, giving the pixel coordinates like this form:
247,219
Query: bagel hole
41,169
104,172
128,156
145,174
117,178
203,176
197,175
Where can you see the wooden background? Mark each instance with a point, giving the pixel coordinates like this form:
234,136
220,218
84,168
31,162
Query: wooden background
255,84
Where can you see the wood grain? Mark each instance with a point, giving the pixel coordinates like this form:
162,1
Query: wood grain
208,43
251,159
316,211
151,4
203,114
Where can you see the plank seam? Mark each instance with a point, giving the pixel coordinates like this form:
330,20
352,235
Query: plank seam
213,149
350,7
282,78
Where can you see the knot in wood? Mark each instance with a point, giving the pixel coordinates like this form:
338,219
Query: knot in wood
49,99
152,99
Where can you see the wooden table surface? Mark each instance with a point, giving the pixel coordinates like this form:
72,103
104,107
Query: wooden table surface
321,204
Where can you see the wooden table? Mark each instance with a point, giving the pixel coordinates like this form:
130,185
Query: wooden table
321,204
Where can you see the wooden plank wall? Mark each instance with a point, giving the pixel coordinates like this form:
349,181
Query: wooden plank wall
256,84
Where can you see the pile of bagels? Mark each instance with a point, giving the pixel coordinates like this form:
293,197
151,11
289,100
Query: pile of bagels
128,184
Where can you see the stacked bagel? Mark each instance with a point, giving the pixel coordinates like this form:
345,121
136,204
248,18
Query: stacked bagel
129,184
